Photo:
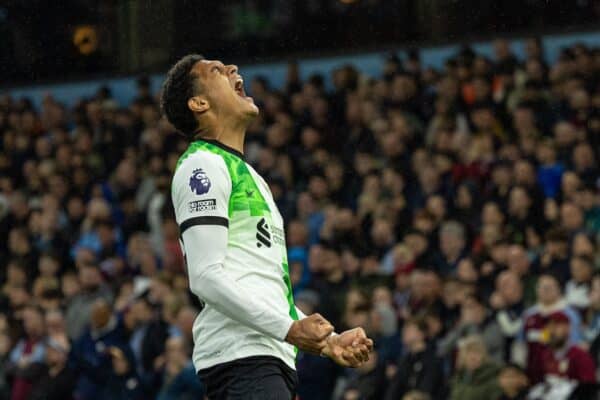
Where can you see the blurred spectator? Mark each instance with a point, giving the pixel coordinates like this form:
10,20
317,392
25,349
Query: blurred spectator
366,382
102,355
476,376
122,382
508,305
419,369
475,319
79,309
514,383
562,357
577,290
179,379
55,380
29,350
550,301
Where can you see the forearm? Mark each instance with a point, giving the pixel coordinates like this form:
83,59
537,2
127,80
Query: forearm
214,286
211,282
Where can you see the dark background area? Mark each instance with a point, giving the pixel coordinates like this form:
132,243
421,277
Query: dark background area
37,37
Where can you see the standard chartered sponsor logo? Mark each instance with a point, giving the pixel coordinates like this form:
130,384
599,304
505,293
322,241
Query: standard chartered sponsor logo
203,205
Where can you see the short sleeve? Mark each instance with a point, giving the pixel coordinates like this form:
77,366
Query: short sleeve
201,189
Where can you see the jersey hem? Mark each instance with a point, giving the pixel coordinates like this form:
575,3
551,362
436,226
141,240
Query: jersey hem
211,362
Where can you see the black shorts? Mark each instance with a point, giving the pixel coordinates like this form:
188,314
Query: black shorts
252,378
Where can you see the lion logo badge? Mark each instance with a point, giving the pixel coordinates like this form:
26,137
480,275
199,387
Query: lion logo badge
199,182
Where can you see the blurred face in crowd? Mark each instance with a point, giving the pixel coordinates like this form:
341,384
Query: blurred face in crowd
570,184
564,134
582,245
518,260
452,293
524,173
55,323
466,270
33,322
100,314
491,214
175,350
417,242
512,381
418,284
548,290
70,285
48,266
583,157
57,351
381,232
519,202
581,270
472,311
559,333
142,311
571,216
412,336
510,287
451,242
185,320
89,277
472,358
436,205
15,274
490,234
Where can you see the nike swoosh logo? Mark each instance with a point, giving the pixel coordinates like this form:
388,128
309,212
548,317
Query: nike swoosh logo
249,193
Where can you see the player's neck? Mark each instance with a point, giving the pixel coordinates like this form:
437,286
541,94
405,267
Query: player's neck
230,133
233,136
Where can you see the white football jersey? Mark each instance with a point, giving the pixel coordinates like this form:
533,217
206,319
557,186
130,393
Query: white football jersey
233,238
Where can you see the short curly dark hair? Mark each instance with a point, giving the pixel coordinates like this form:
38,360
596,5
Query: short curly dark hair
177,88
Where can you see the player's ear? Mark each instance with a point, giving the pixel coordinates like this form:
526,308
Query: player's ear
198,104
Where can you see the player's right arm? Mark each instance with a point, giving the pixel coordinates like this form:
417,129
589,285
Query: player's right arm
201,190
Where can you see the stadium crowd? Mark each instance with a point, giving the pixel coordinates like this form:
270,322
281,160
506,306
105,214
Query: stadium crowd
454,213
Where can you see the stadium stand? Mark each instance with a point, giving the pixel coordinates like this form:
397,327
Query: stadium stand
453,212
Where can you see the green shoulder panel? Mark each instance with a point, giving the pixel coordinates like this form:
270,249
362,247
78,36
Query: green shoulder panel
245,195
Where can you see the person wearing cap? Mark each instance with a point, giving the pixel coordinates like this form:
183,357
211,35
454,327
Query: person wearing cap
549,301
563,358
56,379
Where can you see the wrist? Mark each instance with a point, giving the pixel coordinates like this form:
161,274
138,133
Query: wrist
292,333
324,352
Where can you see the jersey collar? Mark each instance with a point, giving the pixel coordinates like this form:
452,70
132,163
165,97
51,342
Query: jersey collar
224,147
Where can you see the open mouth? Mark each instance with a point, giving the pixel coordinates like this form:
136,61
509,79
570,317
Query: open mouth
239,88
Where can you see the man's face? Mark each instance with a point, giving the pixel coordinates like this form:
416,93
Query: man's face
223,87
518,260
511,380
559,333
472,359
412,335
547,291
33,322
100,314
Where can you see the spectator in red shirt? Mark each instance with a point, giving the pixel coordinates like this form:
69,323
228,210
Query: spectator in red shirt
563,358
29,350
549,301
